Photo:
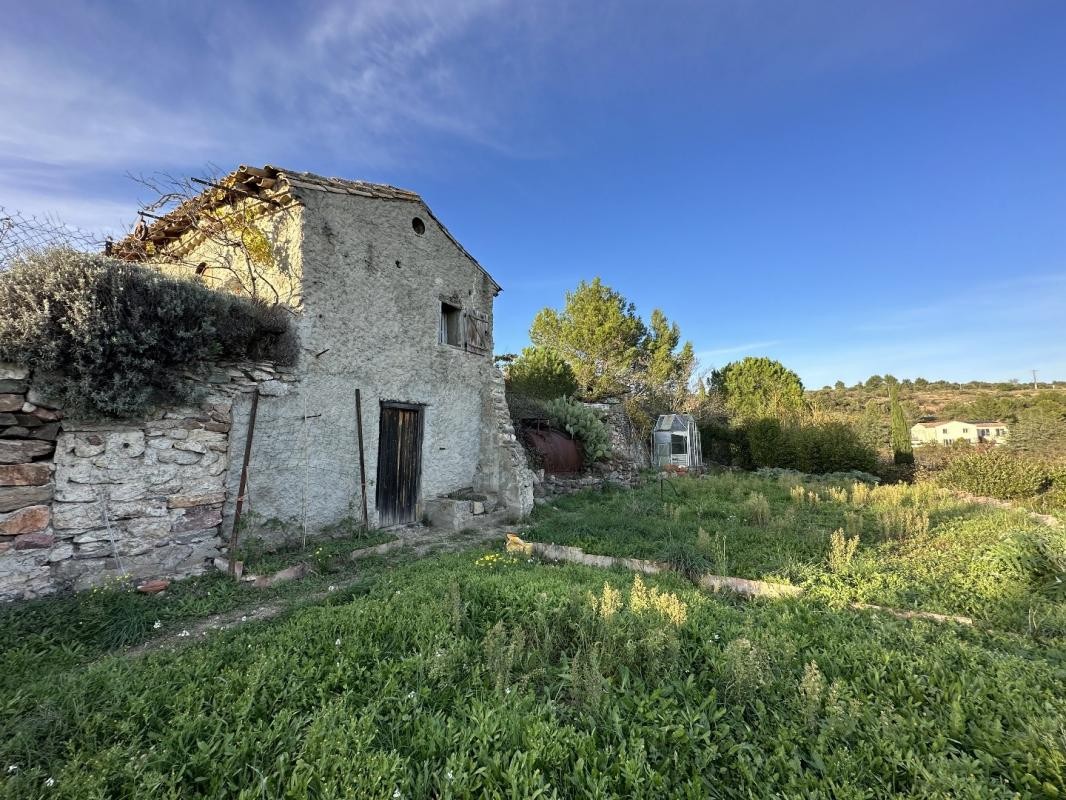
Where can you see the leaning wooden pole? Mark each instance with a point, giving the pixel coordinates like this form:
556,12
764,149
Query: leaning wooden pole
362,461
243,488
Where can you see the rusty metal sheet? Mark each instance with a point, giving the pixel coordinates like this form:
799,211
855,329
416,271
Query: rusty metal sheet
559,454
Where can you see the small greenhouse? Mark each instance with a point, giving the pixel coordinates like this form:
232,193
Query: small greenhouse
675,441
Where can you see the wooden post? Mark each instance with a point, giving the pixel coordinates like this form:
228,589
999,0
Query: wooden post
362,462
243,488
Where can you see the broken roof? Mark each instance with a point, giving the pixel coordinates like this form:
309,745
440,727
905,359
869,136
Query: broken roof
673,422
272,185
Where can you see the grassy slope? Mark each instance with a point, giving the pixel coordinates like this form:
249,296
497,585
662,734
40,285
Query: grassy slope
457,679
473,676
919,548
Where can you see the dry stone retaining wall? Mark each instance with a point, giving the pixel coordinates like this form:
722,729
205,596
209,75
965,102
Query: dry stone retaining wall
83,500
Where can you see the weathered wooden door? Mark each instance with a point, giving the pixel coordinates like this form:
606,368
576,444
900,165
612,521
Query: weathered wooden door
399,463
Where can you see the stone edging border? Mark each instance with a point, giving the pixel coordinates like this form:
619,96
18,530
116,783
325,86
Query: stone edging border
708,582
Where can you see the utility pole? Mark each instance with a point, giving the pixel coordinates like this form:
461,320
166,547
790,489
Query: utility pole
1035,386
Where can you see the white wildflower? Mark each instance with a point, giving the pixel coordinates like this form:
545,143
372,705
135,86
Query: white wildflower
244,619
157,625
50,782
449,775
337,643
12,768
507,690
331,588
397,794
183,633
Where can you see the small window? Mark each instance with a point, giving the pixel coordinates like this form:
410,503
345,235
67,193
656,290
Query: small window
451,325
418,226
678,445
945,430
965,430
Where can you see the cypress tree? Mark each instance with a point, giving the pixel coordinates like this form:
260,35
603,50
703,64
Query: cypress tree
902,453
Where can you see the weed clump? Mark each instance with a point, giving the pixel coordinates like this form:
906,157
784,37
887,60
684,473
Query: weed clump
757,508
841,550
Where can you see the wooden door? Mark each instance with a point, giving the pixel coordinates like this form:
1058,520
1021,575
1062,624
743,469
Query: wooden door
399,463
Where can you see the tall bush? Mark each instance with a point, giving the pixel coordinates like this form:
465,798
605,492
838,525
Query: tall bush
115,335
581,422
902,452
998,473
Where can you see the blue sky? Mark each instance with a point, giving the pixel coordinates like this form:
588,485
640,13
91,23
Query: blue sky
850,187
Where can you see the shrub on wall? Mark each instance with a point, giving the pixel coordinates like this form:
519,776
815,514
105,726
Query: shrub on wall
115,335
581,422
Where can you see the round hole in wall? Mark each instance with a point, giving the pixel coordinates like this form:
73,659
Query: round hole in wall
418,225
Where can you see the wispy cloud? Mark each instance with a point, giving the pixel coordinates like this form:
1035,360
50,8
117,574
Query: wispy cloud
382,83
746,349
1021,300
66,117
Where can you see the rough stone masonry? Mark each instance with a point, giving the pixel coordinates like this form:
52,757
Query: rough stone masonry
81,501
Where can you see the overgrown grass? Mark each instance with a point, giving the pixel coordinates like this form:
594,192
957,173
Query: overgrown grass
487,675
918,546
61,632
466,676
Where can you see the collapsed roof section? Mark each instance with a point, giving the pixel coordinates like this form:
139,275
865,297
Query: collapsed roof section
274,187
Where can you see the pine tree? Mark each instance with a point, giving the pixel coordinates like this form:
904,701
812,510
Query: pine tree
902,452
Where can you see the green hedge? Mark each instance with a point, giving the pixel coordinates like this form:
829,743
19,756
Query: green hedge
998,473
811,447
115,335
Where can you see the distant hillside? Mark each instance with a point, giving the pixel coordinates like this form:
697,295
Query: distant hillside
940,399
867,407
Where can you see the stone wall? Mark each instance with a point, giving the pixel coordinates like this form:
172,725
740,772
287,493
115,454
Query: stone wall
83,500
626,445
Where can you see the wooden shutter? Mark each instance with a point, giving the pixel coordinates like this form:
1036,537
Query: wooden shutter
478,337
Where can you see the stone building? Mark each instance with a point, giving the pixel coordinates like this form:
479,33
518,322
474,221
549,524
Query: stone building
384,301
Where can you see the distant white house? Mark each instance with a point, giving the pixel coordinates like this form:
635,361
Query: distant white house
952,430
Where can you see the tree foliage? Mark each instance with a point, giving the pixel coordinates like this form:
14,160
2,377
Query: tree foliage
598,333
115,336
541,373
758,387
1040,433
610,349
669,370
